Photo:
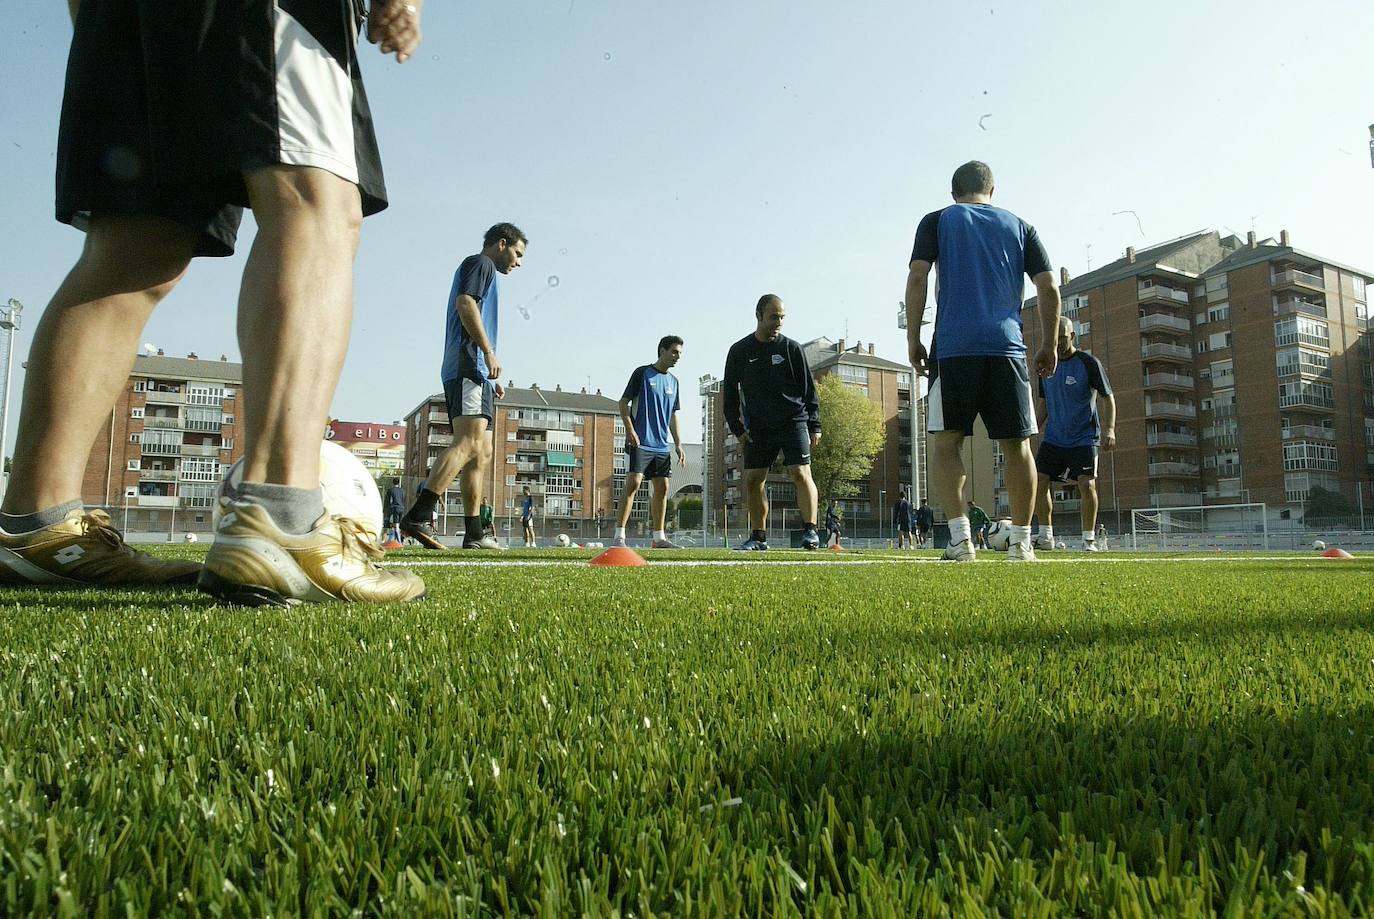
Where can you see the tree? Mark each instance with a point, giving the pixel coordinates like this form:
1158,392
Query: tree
852,434
689,512
1328,506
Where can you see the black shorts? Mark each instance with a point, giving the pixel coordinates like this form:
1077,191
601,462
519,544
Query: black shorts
793,442
903,527
393,517
649,465
997,389
1066,464
470,399
169,102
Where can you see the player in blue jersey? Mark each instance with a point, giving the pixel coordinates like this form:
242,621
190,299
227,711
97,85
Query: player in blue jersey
527,519
781,414
649,409
470,375
1067,410
978,365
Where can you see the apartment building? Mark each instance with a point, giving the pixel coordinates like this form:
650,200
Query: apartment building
174,430
1241,367
379,447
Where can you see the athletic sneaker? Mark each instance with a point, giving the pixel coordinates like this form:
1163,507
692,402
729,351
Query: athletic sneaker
619,543
961,551
664,544
423,532
1020,552
810,539
753,544
1091,546
1040,542
253,563
84,549
485,542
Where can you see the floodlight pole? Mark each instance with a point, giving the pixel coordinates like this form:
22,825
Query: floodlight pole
9,324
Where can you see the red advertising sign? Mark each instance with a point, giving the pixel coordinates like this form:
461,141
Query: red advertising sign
346,433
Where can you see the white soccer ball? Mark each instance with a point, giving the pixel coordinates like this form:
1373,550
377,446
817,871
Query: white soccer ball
349,490
1062,545
1318,546
999,535
191,537
563,541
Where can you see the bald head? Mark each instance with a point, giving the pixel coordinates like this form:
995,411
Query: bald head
769,312
1067,339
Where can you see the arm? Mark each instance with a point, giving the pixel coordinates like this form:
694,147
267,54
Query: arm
730,396
470,314
1047,297
1042,409
677,440
393,24
917,287
631,438
1108,422
810,398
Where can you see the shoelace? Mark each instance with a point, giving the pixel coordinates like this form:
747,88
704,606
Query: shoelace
357,539
98,524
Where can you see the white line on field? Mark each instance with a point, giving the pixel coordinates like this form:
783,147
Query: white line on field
735,563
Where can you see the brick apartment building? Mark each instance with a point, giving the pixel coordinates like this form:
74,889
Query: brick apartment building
1242,371
173,431
888,385
568,447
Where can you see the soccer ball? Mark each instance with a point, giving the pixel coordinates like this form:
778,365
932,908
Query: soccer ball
349,490
191,537
1062,545
563,541
1318,546
999,535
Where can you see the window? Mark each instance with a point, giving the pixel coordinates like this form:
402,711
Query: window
135,413
1309,455
1295,361
1357,284
135,438
133,465
228,419
1221,373
140,386
1291,330
1219,313
1218,340
131,491
1216,283
1084,328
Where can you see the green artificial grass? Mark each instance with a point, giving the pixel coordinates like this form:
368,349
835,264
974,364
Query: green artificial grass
1126,738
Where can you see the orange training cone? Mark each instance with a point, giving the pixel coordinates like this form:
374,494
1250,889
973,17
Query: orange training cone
1333,552
618,557
391,544
836,548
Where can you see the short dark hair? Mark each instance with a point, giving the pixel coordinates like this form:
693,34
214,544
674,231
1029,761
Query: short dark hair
507,231
765,301
395,481
972,178
667,341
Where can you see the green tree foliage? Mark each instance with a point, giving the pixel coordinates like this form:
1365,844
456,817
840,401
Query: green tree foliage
852,434
689,512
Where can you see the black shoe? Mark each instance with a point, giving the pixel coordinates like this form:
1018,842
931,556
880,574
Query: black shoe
811,539
421,532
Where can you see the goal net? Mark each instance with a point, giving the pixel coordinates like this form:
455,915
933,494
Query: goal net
1212,526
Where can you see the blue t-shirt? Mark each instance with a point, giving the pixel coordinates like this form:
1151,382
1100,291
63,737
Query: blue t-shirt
1071,401
476,277
654,397
982,251
526,509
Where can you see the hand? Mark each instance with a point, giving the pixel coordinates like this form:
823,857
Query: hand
744,439
500,391
1046,360
395,26
1109,440
631,438
493,365
815,438
681,456
917,353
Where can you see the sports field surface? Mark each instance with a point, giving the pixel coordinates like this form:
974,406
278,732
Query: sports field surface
711,735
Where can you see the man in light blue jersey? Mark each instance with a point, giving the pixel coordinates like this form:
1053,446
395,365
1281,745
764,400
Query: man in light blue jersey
978,368
649,409
1068,451
470,373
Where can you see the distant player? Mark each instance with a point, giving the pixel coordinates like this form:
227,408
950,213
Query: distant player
470,374
902,522
486,518
832,525
781,414
649,409
527,518
925,522
978,364
978,524
1067,409
395,508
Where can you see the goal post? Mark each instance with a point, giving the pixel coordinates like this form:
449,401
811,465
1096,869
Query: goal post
1204,526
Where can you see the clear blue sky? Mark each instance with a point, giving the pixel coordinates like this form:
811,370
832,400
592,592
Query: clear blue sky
673,161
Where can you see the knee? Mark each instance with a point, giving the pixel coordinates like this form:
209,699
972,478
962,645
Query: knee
283,195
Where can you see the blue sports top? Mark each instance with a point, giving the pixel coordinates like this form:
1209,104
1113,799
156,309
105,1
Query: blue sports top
1071,403
654,397
982,252
476,277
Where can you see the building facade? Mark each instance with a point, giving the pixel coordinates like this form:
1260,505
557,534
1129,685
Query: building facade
174,431
379,447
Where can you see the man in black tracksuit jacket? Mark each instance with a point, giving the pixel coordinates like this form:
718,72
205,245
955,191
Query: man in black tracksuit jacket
781,413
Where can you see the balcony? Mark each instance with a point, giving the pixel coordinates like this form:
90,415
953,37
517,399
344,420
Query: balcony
200,449
204,427
438,417
440,440
1164,322
527,443
1294,306
1292,277
1165,380
1172,470
161,449
151,423
1308,432
1165,352
165,398
1175,499
1308,400
528,467
1160,292
1170,439
157,475
157,501
526,424
1170,410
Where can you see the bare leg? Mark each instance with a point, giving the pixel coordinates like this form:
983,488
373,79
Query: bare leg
295,309
475,471
1044,502
469,442
755,493
1087,490
947,471
806,492
658,504
627,499
83,351
1020,478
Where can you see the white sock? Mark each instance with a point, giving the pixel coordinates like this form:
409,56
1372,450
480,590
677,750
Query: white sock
1020,535
660,536
1047,533
1088,536
958,530
619,532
